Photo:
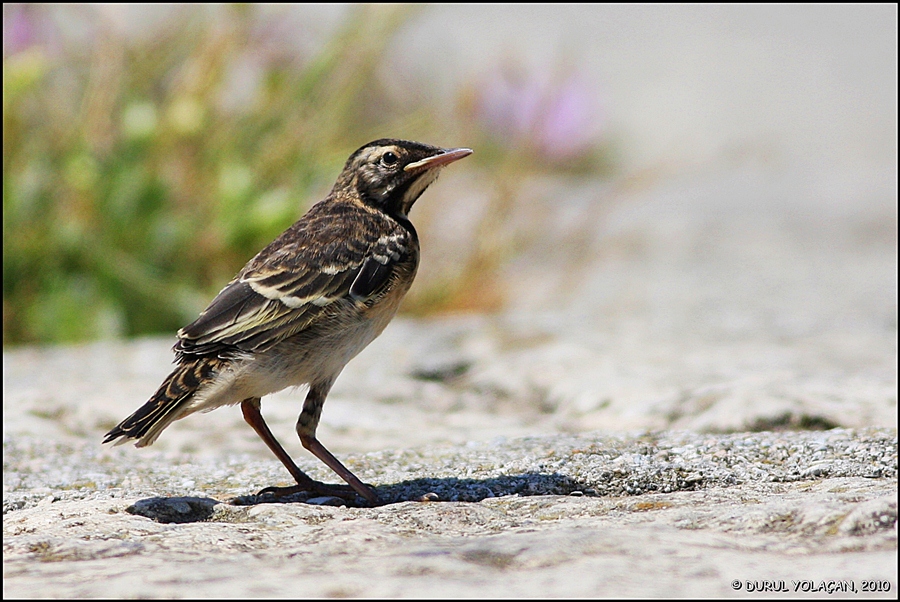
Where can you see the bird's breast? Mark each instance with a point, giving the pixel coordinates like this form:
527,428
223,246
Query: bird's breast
380,310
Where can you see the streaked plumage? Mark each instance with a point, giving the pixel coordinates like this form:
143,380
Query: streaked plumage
305,305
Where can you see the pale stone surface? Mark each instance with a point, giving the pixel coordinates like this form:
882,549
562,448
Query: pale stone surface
675,514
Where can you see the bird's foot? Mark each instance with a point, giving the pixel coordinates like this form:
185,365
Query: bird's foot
345,492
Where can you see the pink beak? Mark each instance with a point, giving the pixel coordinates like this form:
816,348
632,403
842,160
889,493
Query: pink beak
445,158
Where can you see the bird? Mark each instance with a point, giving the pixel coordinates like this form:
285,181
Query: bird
302,308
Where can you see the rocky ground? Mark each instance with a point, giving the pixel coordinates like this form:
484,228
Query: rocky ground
652,514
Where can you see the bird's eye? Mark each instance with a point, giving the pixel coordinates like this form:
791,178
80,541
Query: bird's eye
389,158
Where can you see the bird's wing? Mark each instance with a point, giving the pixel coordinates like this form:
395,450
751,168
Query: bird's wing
292,282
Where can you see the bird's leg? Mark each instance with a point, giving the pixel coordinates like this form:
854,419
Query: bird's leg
319,451
306,429
250,408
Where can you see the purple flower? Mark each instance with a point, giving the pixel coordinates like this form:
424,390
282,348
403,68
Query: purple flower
26,26
567,126
561,120
19,31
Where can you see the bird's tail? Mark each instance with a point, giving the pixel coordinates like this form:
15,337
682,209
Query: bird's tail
168,403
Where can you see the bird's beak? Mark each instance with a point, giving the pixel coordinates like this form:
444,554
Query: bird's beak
444,158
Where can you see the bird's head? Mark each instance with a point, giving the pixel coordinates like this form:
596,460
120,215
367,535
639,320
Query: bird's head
390,175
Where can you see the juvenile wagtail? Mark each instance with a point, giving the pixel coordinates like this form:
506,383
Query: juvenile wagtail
304,307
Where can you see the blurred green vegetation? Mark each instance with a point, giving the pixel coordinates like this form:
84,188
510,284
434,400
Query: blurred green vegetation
140,172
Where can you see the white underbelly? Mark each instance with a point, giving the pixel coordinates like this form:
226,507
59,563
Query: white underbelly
294,362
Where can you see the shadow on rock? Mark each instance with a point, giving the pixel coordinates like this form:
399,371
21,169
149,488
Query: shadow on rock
441,490
200,509
475,490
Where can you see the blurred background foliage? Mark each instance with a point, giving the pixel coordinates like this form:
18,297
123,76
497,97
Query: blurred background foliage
142,170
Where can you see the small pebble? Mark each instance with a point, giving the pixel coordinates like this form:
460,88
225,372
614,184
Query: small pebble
327,500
